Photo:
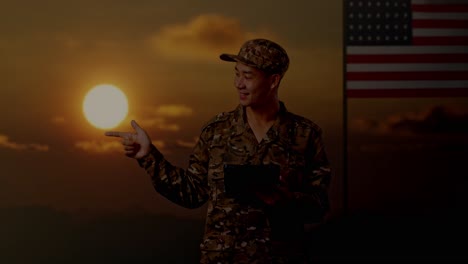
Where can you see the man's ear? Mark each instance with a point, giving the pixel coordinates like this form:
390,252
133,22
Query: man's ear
275,80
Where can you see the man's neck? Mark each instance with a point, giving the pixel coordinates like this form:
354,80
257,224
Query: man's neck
260,119
263,114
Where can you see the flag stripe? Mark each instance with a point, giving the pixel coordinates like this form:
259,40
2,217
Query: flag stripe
439,32
395,93
455,8
351,76
430,41
429,67
407,84
442,16
435,2
442,23
366,50
411,58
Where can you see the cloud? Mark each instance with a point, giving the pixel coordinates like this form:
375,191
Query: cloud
99,146
173,110
434,120
159,123
368,125
6,143
202,38
157,116
159,144
186,144
57,120
95,146
438,119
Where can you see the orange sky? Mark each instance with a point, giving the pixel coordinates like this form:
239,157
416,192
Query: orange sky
164,56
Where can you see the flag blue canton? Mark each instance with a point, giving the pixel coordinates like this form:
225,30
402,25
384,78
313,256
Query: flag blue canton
378,22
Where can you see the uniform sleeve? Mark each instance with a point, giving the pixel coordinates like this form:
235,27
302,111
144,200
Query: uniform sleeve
185,187
314,199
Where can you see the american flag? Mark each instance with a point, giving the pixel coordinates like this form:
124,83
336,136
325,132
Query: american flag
406,48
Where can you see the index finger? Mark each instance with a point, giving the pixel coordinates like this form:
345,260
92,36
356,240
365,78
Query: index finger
117,134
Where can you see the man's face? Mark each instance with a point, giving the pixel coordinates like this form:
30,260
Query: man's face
254,86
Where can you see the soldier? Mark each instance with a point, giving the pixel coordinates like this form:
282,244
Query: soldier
262,224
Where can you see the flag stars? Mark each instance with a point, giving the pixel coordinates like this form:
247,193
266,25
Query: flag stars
376,21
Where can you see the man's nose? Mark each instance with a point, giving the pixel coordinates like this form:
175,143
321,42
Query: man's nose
239,83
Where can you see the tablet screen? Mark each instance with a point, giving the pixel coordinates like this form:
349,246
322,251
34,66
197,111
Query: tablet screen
245,179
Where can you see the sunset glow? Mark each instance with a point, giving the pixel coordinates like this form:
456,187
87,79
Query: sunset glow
73,71
105,106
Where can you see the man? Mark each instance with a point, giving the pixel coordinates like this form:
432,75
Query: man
261,224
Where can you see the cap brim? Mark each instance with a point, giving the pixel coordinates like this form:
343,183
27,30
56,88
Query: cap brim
228,57
236,58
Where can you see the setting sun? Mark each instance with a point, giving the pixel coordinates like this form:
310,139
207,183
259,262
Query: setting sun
105,106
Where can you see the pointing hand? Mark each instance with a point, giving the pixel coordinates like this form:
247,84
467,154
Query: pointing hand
137,144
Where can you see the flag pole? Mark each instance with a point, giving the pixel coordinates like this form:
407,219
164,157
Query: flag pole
345,115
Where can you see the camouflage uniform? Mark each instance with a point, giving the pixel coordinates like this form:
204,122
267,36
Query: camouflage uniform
237,232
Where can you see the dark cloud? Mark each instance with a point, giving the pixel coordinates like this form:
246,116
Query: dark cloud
439,119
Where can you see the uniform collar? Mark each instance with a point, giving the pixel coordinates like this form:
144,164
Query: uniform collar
272,134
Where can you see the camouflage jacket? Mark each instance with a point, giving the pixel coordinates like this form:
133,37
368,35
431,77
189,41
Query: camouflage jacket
293,142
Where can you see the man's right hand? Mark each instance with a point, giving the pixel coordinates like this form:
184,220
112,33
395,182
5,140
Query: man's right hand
137,144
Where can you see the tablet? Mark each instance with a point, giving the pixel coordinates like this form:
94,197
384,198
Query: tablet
245,179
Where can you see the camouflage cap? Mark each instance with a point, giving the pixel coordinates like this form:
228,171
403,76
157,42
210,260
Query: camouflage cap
263,54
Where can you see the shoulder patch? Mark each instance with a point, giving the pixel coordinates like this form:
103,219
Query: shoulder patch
303,121
216,119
